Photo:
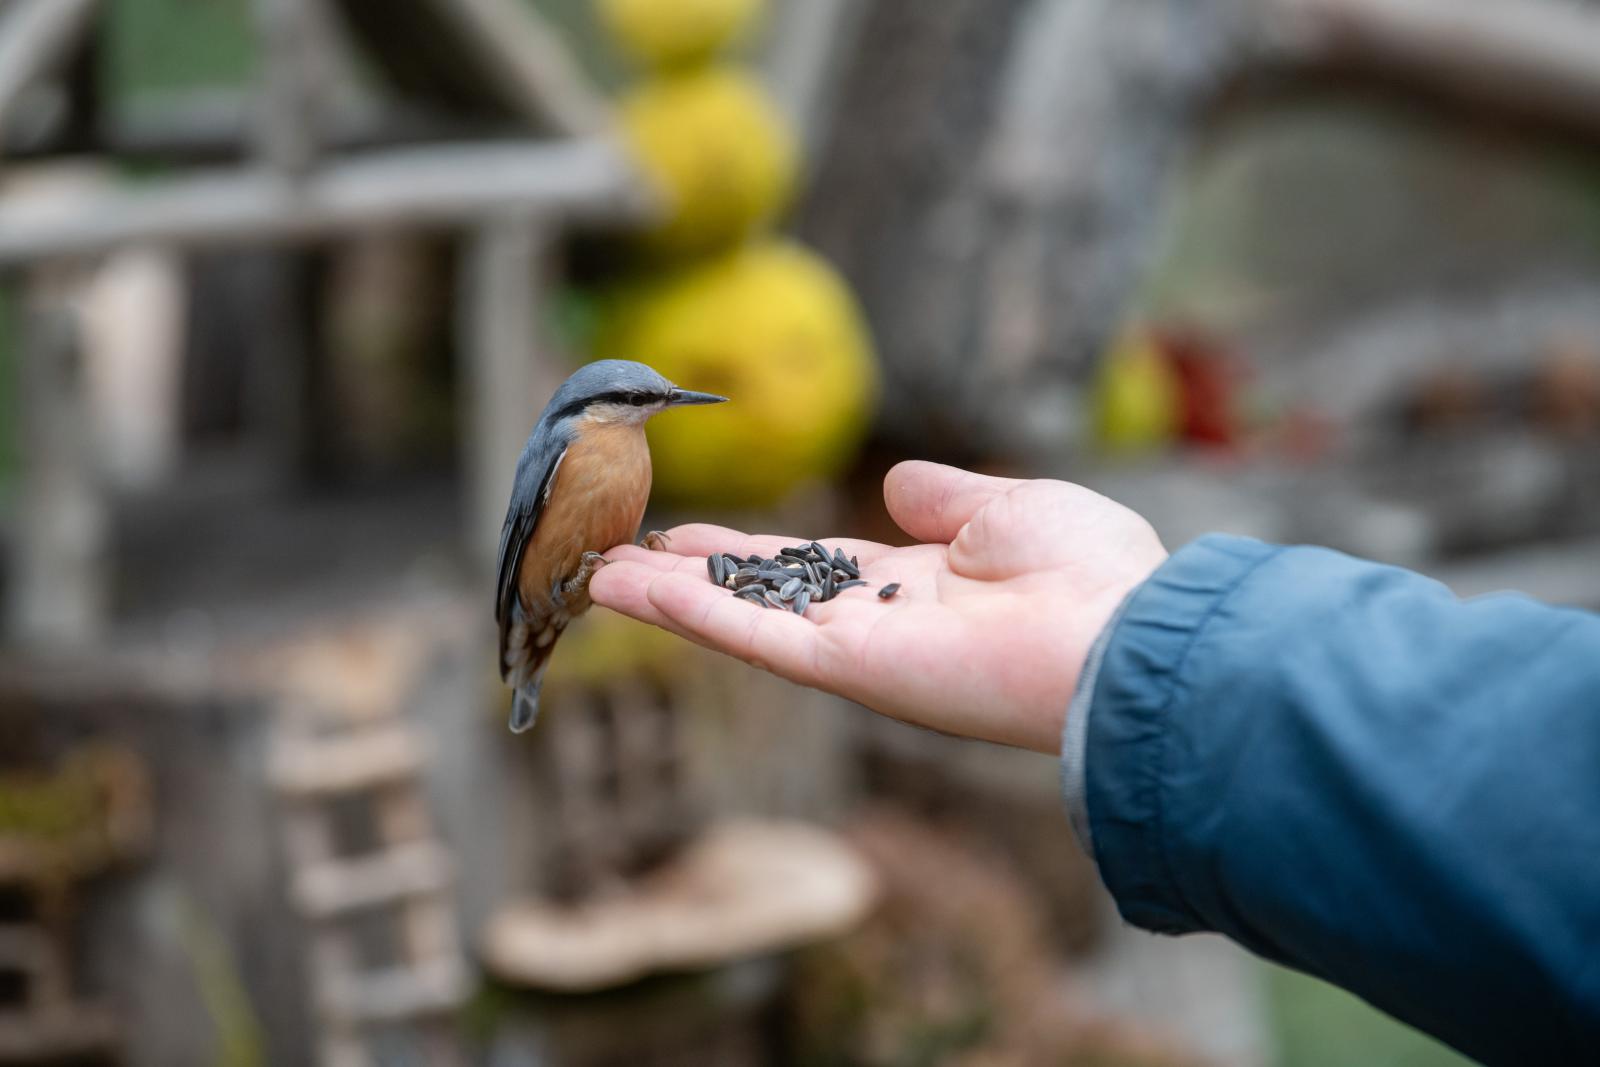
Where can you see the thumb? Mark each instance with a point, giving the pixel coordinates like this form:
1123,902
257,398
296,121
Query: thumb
932,502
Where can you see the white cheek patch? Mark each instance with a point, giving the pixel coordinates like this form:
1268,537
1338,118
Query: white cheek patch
621,413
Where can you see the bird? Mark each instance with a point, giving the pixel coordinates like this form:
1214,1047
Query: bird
581,485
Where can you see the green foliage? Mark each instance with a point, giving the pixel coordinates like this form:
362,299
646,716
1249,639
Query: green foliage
48,808
1319,1025
159,45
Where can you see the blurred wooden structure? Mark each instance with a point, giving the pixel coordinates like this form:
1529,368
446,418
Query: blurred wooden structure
644,871
996,185
397,872
614,771
94,813
739,891
487,130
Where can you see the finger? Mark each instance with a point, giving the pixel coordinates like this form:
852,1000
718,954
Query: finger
777,641
931,501
702,539
626,590
656,559
623,585
626,586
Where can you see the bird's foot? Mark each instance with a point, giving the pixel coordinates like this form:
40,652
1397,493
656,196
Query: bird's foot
655,541
588,563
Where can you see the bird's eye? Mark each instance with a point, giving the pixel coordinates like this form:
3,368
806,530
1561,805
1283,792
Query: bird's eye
638,400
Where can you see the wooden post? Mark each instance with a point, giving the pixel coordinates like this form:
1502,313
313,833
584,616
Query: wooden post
60,592
508,367
297,84
808,42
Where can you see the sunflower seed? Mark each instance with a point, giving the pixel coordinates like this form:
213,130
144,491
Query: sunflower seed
774,600
752,592
851,584
715,568
888,591
790,588
802,602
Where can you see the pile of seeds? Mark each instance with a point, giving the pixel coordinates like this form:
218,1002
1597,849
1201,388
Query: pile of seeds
794,579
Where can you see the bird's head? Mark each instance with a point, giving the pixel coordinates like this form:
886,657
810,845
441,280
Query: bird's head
619,390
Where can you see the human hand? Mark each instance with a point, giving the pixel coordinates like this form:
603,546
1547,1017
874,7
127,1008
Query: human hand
986,638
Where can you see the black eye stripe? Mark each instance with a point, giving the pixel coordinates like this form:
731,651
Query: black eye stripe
577,407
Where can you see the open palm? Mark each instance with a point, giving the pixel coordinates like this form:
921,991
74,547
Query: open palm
986,638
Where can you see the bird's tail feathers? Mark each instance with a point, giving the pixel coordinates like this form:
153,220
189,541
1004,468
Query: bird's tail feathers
525,704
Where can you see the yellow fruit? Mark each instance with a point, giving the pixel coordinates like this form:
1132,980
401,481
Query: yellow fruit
772,327
672,33
1137,396
717,150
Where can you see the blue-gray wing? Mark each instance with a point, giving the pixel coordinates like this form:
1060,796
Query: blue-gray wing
535,470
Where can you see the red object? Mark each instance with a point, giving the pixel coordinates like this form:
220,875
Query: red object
1209,378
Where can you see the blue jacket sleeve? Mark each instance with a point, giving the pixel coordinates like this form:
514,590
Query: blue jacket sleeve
1350,771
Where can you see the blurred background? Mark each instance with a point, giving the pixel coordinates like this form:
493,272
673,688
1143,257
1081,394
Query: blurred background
285,283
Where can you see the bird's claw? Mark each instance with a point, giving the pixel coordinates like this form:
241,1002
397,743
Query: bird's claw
655,541
588,563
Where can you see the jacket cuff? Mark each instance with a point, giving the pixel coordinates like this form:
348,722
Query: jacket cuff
1136,690
1075,734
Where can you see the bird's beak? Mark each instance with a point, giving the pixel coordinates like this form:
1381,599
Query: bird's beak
684,397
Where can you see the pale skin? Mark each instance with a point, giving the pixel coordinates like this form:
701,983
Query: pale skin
998,607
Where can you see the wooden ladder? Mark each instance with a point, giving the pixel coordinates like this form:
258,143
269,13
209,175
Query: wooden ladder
402,884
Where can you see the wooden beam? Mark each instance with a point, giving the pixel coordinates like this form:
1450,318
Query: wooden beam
36,37
425,186
805,49
507,365
297,84
478,57
211,126
527,55
1536,56
61,592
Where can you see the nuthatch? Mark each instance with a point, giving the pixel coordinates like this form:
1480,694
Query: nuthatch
582,483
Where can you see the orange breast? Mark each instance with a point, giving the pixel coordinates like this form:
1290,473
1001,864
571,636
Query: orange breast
597,501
